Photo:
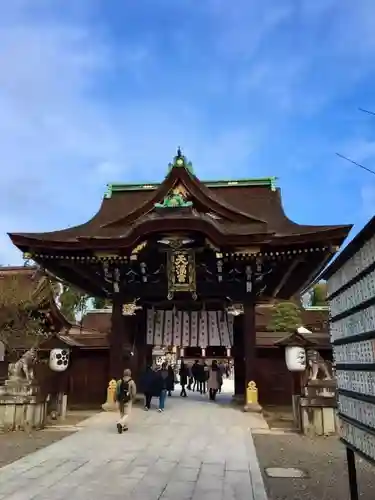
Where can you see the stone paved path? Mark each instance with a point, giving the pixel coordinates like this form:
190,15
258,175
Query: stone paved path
195,450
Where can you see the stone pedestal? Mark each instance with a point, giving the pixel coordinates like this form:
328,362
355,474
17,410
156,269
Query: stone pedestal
252,408
319,421
62,405
110,406
21,406
318,408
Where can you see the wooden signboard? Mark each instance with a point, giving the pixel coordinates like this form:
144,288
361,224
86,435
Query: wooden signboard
351,295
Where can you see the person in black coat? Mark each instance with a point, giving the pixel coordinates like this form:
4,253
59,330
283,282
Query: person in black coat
202,376
183,379
195,374
170,380
162,385
148,385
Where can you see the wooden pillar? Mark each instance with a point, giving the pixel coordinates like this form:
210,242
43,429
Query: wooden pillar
129,348
249,336
115,340
120,341
140,343
249,333
238,359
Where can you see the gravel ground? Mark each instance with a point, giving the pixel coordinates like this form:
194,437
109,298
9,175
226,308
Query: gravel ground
324,461
15,445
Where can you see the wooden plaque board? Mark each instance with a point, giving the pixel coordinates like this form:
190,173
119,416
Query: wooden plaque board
351,296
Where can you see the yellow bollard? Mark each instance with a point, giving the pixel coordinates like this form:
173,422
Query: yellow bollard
110,404
251,393
252,404
111,391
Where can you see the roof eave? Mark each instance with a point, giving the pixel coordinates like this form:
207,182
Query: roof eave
334,235
367,232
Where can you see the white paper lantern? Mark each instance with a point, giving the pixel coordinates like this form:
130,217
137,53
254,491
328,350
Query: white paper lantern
59,360
295,358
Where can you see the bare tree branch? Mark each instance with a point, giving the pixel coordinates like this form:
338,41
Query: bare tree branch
21,324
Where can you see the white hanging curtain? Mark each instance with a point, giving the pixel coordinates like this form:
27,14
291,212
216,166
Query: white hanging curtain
189,328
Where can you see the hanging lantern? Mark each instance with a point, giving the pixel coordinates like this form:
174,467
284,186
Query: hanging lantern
59,360
295,358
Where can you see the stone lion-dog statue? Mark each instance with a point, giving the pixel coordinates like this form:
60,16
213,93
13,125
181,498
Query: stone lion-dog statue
23,369
317,365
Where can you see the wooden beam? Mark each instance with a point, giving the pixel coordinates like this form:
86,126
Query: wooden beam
70,275
92,276
286,276
315,274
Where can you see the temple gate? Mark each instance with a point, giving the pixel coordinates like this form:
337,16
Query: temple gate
186,261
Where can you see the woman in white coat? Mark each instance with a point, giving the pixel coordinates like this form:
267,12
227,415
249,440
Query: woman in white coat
215,381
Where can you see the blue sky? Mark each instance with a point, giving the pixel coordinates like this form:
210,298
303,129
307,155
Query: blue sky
96,91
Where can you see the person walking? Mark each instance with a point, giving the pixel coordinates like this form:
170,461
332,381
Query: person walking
190,377
183,379
222,371
170,380
195,373
200,376
147,384
162,381
126,391
215,380
205,376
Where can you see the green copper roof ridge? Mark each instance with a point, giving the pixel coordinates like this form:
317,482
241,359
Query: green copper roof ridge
146,186
244,179
266,180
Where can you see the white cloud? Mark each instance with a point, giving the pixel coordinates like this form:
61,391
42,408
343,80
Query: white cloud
241,27
61,143
304,55
48,124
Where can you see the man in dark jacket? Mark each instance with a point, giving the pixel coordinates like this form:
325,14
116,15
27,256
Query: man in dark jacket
195,372
162,385
170,380
148,385
183,379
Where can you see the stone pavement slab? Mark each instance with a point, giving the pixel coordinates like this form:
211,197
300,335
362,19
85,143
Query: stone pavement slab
195,450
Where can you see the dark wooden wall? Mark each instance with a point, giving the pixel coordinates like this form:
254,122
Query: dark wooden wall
274,381
87,379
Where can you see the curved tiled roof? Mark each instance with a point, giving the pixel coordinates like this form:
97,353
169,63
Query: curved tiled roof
234,217
241,209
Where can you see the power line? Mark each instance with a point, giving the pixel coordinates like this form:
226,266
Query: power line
367,111
355,163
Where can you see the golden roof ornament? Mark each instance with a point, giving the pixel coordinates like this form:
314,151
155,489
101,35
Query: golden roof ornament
180,161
